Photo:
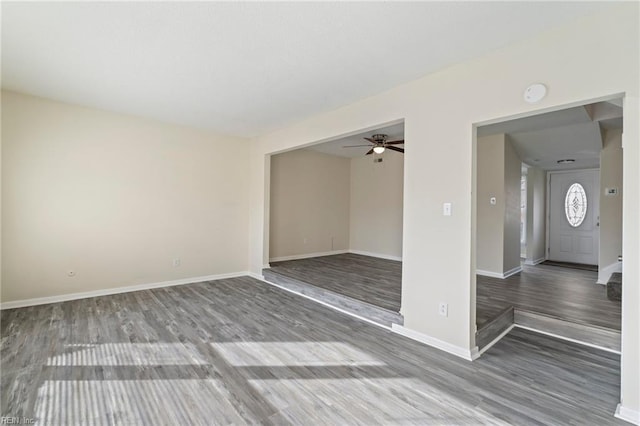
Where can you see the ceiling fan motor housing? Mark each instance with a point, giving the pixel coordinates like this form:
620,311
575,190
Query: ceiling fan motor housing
379,138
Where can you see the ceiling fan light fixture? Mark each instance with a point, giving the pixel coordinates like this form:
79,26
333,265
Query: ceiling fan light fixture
378,149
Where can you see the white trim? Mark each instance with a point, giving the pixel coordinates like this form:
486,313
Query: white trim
432,341
488,273
266,266
493,342
513,271
498,274
256,276
475,353
568,339
335,308
534,262
378,255
628,415
115,290
605,273
307,255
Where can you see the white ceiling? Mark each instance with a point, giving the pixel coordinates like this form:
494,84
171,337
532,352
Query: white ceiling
574,133
337,147
244,68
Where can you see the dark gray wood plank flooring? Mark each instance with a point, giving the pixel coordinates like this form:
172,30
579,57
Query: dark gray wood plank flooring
369,279
241,351
564,293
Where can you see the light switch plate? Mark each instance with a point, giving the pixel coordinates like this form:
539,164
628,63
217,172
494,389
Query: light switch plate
446,209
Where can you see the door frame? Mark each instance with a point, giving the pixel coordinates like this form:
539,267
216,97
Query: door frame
547,212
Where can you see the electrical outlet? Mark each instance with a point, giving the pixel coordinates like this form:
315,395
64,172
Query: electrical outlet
176,262
443,309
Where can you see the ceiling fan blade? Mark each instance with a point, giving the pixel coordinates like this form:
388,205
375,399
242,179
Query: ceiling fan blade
354,146
370,152
398,142
393,148
371,140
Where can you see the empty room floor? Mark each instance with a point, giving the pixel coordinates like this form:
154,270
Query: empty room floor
241,351
564,293
365,278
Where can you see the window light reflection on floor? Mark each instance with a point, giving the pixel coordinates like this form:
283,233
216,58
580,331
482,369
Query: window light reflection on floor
134,402
270,354
115,354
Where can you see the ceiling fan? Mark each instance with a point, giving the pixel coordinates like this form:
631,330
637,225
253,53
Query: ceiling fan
380,143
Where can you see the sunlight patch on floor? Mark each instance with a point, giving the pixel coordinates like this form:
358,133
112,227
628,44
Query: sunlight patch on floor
134,402
291,354
120,354
370,401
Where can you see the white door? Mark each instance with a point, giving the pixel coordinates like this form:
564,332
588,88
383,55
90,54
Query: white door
574,215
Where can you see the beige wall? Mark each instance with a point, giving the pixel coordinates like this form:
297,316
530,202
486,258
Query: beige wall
498,226
610,206
376,205
439,113
490,219
115,199
512,193
309,203
536,210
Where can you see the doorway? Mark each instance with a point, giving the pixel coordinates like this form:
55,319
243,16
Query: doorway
574,216
561,174
336,212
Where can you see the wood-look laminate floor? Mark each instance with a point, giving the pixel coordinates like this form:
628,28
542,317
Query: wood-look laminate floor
565,293
369,279
241,351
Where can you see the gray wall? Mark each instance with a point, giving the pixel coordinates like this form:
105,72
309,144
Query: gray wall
376,205
498,226
309,203
610,205
536,223
512,193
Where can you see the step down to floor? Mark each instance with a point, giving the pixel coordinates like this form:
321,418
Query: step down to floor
614,287
352,306
494,328
591,335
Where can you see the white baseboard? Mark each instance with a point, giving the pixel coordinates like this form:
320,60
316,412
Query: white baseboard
116,290
432,341
307,255
498,274
604,273
256,276
513,271
378,255
631,416
488,273
534,262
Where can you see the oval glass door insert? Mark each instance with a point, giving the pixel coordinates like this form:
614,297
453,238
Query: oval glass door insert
575,205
